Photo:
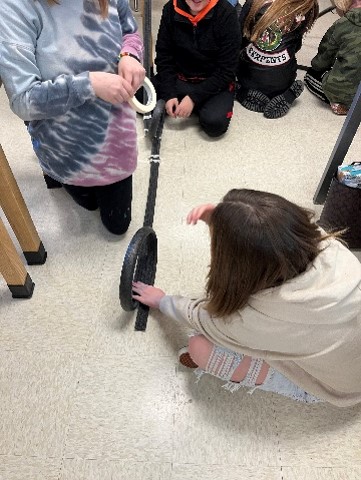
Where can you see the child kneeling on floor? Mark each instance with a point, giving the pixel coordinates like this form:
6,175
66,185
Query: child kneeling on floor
272,35
282,310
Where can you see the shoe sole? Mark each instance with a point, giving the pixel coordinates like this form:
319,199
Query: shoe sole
185,359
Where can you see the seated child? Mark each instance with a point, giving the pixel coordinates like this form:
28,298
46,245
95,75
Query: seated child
197,51
281,309
272,33
335,71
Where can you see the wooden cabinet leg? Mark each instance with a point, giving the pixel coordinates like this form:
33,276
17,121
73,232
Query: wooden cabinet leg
15,209
12,268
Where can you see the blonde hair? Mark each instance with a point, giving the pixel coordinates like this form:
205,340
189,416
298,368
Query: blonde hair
103,6
343,5
282,12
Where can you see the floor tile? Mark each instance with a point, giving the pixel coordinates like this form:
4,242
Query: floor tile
36,395
115,334
29,468
321,473
78,469
58,317
60,314
123,410
318,435
213,426
224,472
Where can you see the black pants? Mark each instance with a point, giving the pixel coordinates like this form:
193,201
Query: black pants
215,113
114,202
313,81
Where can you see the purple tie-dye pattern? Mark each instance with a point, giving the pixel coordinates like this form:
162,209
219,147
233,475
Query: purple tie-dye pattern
78,138
117,159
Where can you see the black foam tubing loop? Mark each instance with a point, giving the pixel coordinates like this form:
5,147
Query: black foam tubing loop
139,264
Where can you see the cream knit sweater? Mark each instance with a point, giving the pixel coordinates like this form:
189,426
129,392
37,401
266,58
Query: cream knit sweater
309,328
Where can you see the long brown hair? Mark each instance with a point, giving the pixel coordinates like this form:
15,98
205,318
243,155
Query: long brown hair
258,240
281,12
103,6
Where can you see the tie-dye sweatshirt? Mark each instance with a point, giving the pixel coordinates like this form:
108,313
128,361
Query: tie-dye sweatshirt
46,54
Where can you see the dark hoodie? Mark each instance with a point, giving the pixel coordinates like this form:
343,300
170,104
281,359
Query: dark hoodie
208,50
340,53
269,64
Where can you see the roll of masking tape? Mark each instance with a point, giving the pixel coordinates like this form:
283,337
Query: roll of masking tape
151,98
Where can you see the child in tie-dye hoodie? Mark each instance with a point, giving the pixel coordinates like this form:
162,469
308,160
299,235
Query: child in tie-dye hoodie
58,63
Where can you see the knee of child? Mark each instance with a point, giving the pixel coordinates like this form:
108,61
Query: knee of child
116,227
200,349
215,134
215,130
215,127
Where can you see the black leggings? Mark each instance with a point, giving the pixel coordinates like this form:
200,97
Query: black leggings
114,202
215,113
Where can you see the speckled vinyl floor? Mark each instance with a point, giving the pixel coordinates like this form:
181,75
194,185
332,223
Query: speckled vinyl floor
85,397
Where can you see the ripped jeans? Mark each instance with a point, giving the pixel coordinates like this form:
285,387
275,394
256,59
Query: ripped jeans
222,363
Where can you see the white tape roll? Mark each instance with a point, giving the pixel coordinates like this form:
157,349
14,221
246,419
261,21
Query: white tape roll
151,96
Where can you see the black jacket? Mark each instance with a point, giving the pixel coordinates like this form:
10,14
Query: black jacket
271,70
210,50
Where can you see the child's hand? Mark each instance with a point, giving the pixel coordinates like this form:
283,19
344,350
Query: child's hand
147,294
202,212
171,107
110,87
132,71
185,108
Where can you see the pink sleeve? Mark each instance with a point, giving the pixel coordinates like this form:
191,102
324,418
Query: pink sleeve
132,43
